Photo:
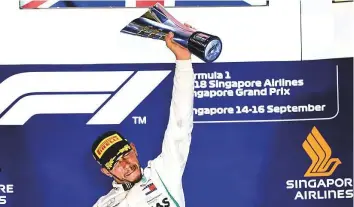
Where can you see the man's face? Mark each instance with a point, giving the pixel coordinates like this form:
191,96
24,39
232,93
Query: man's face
127,168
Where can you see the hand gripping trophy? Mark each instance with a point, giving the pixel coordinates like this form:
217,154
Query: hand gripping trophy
156,23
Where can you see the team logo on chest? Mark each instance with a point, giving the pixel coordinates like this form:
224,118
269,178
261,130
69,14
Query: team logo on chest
154,197
150,188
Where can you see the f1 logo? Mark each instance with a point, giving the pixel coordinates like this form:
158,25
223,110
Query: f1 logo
110,95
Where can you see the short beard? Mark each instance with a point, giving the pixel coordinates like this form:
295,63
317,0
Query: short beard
138,179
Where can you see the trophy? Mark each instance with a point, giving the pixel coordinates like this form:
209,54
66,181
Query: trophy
156,23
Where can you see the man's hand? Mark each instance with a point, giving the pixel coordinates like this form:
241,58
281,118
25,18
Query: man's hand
180,52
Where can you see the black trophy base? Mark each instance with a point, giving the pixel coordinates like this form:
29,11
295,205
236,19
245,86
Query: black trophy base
205,46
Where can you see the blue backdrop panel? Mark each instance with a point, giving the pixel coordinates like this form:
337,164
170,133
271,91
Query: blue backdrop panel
250,158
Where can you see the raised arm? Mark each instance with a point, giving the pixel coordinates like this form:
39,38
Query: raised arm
177,137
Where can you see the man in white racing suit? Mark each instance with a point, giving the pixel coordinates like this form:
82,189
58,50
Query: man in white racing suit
160,183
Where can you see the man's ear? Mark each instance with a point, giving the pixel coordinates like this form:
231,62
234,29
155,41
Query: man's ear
134,148
105,171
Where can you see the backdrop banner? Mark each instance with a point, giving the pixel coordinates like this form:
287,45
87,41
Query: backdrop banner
266,134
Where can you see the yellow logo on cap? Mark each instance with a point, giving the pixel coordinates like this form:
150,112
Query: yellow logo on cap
124,149
109,164
106,144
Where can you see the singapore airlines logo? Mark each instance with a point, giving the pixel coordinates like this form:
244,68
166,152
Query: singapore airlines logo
319,183
320,153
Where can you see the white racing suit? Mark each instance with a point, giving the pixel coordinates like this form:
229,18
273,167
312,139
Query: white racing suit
161,185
